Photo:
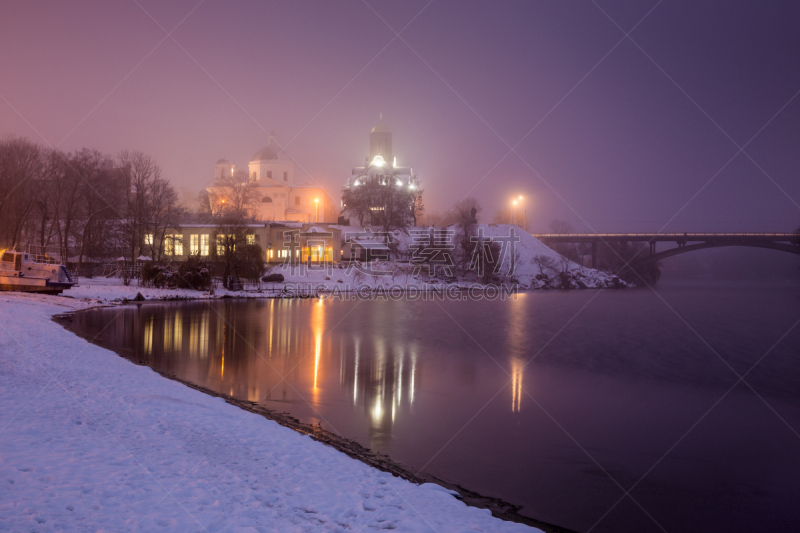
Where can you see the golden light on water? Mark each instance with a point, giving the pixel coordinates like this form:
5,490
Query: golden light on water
318,327
517,368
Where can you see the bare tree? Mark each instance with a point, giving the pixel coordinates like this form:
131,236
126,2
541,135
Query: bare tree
544,262
20,165
231,195
504,215
152,203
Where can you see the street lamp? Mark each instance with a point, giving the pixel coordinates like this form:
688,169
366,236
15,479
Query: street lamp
316,204
514,213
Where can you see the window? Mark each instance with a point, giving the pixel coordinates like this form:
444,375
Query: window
250,239
171,246
254,176
194,244
204,244
285,176
296,200
167,242
148,239
231,243
266,200
269,174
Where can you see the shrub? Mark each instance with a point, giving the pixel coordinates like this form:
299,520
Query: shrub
194,274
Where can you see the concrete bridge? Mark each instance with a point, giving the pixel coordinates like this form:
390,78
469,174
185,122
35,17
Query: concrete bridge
686,242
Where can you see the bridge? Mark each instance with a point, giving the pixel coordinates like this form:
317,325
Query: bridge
686,242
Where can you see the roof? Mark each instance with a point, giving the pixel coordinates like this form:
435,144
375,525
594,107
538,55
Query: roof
223,162
316,229
267,153
370,245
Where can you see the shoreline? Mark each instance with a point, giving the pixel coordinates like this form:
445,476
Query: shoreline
499,508
106,443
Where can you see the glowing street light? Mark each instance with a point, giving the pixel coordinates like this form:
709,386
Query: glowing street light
516,201
514,212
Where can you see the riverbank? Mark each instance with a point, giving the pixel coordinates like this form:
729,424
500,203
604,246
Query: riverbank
92,441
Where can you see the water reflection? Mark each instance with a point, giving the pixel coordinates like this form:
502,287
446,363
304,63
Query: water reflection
399,378
517,367
273,352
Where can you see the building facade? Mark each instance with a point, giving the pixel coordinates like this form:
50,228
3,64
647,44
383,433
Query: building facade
281,195
302,242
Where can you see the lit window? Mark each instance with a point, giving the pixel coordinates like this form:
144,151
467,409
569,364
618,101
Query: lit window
204,242
250,239
178,244
148,239
169,242
221,244
194,244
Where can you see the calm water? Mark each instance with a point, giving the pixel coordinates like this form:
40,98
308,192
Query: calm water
490,395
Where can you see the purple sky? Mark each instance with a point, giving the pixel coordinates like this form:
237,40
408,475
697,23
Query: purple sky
624,139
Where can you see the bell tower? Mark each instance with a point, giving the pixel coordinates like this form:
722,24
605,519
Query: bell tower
380,142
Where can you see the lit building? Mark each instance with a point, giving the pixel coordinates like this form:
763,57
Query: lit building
381,164
282,198
302,242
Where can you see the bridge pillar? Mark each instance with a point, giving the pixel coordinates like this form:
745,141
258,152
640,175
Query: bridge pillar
652,247
594,254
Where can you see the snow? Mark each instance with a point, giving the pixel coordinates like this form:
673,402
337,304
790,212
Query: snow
526,274
92,442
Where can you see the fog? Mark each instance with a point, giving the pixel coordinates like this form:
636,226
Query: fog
549,100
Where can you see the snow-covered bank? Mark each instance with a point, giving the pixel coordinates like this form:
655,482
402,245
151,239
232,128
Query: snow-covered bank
529,264
93,442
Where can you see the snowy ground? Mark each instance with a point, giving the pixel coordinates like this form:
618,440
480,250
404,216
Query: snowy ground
92,442
340,277
525,273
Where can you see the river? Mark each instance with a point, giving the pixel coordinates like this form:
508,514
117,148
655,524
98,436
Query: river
593,410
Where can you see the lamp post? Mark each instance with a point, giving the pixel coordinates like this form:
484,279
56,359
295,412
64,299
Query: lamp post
316,205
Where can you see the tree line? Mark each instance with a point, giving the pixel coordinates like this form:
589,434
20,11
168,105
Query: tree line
86,203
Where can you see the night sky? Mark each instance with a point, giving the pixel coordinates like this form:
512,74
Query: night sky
610,133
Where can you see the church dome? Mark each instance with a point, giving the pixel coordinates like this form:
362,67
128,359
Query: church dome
265,154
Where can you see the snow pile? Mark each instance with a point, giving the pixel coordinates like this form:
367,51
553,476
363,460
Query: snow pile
529,275
93,442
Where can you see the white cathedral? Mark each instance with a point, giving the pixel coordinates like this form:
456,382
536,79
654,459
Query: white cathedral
282,198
